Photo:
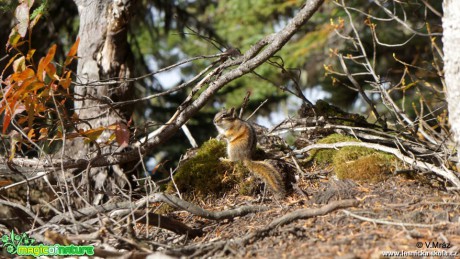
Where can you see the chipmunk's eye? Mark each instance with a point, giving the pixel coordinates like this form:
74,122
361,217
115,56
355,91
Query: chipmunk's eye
227,117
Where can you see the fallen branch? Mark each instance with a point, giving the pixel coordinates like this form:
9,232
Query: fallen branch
217,215
445,173
385,222
168,223
24,209
199,250
99,252
158,197
299,214
253,58
366,134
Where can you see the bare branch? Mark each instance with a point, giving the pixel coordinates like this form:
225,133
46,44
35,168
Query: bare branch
443,172
253,58
361,90
403,23
24,209
386,222
161,197
198,250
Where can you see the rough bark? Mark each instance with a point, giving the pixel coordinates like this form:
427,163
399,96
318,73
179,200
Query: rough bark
104,61
451,42
233,69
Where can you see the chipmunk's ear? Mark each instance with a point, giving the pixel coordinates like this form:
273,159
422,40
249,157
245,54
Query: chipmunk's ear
232,112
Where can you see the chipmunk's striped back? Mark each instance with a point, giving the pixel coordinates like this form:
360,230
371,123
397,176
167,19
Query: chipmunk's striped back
241,144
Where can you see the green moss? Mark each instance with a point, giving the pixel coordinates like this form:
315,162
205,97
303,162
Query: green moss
205,174
357,163
244,186
325,109
368,165
326,156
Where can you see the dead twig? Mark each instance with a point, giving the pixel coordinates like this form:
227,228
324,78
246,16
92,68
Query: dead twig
253,58
218,215
386,222
197,250
443,172
24,209
304,214
361,91
160,197
168,223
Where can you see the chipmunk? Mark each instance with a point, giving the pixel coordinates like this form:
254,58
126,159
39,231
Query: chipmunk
241,145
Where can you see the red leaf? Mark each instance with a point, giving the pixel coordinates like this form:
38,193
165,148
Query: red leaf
155,169
9,63
51,71
7,91
72,52
66,80
22,76
35,86
16,109
43,64
22,92
24,79
31,134
6,121
43,134
5,182
122,134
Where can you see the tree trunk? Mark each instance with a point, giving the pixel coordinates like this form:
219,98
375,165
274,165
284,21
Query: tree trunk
104,61
451,42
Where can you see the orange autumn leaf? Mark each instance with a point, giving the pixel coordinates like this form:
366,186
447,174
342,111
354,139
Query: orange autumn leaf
72,52
93,134
44,62
122,133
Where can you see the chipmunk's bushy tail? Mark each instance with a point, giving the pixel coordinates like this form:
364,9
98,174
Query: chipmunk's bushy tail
268,174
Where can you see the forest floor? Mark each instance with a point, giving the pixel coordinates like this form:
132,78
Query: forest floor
409,214
397,215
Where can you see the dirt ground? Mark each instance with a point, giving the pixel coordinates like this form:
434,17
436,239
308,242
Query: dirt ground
398,215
